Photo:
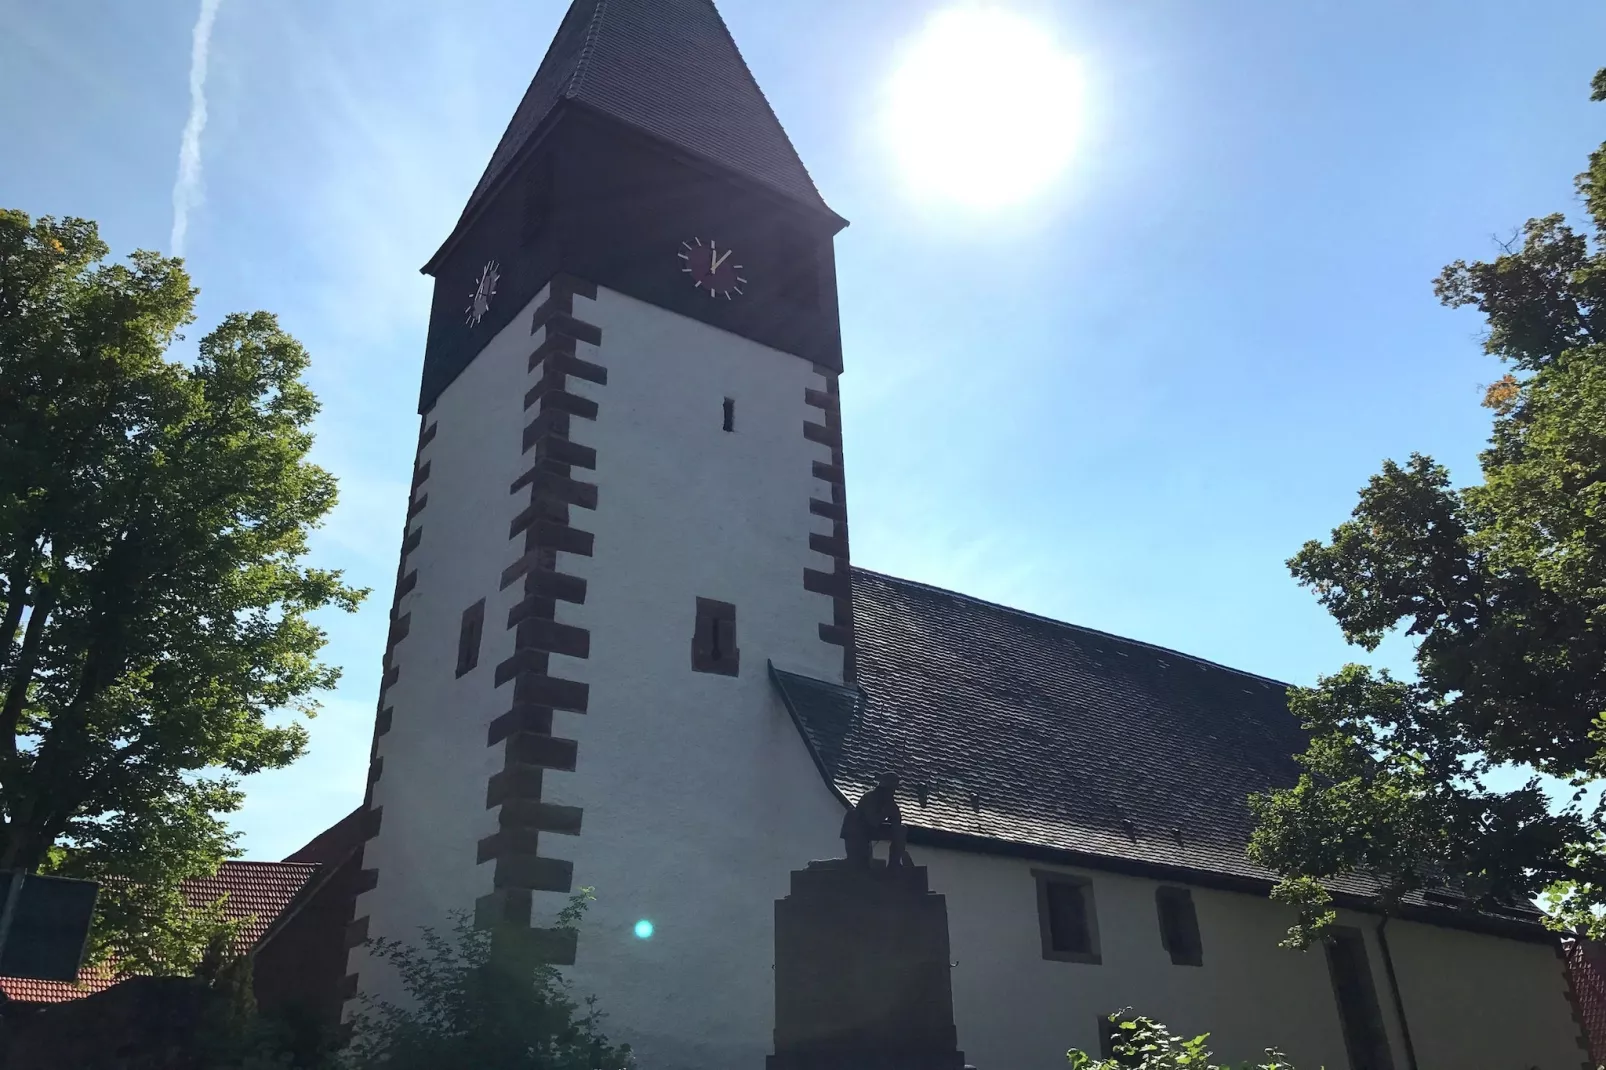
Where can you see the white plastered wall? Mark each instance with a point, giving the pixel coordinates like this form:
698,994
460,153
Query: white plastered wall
1473,1002
1482,1002
436,761
699,798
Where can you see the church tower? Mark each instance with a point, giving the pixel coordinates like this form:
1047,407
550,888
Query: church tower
627,506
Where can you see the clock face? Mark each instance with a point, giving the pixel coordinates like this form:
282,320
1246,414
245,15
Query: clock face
712,268
479,302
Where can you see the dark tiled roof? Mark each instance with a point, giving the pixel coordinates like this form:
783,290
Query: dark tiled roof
258,893
1036,732
667,67
334,844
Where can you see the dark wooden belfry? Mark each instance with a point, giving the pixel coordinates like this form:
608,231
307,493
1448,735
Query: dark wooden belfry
643,128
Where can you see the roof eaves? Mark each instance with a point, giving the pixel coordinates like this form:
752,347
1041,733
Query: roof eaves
779,678
1514,928
478,205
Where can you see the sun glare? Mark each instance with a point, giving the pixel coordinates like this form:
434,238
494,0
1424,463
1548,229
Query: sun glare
984,107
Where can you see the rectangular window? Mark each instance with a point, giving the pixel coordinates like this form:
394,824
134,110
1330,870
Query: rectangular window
1179,926
468,637
1358,1013
730,414
1066,918
713,641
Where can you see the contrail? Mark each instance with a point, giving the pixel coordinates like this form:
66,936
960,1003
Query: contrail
187,187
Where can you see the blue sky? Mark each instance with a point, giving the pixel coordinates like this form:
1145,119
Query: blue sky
1123,403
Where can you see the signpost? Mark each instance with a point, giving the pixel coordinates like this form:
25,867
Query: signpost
44,925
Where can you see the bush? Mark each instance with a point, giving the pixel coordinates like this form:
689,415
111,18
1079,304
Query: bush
1144,1044
471,1012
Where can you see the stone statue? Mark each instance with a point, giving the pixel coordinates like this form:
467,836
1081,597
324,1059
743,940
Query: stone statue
876,817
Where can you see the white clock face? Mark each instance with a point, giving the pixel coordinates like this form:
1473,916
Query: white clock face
479,302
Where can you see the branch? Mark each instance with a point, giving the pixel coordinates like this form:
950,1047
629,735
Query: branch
22,673
16,598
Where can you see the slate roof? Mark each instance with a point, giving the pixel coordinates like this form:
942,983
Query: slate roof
669,68
1033,735
1034,731
258,894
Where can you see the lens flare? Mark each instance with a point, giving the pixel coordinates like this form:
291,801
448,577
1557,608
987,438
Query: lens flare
985,107
643,929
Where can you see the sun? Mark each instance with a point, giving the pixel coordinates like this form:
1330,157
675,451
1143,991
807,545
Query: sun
984,107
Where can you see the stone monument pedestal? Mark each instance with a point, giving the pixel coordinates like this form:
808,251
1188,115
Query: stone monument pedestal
861,972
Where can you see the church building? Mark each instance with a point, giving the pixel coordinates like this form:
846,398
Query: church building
628,651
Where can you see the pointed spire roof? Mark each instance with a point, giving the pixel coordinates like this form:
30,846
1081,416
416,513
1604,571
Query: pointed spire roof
669,68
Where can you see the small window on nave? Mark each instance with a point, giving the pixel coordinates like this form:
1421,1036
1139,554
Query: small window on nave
1066,918
1179,926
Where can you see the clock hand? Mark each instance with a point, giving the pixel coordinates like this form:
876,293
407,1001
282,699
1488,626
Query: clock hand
720,260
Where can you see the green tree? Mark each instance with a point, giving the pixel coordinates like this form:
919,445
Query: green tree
1501,586
470,1009
153,604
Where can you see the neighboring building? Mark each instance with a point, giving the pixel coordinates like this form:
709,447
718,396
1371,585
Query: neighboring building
628,651
292,915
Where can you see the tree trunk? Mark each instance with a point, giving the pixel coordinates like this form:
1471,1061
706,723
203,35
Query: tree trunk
22,672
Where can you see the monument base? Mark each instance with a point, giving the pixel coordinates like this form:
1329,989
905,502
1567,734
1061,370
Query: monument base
862,972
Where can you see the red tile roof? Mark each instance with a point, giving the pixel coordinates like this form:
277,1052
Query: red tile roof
257,895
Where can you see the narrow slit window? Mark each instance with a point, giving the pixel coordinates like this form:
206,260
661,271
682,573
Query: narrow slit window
1358,1012
1066,918
730,414
468,637
713,642
1179,926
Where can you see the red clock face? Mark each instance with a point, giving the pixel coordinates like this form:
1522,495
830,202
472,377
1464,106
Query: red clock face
712,268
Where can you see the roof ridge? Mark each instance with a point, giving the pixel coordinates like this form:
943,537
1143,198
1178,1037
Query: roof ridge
1067,624
764,99
577,76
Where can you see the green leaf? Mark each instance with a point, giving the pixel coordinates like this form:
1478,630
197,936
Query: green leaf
155,603
1500,585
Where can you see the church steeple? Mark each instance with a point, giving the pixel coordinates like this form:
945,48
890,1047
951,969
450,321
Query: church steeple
628,502
671,70
642,135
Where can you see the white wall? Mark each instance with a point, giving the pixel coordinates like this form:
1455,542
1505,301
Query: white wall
699,797
1473,1002
1482,1002
436,762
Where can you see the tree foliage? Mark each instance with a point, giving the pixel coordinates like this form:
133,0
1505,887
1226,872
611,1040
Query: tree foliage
1144,1044
1501,586
153,602
469,1009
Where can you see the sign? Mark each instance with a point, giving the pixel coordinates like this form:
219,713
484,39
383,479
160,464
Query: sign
49,925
